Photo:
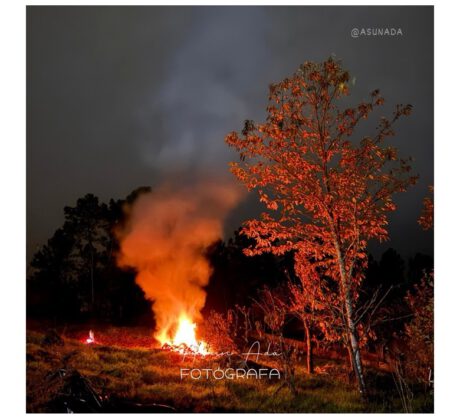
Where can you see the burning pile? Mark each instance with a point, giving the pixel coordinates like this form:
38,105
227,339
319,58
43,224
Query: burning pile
185,340
164,239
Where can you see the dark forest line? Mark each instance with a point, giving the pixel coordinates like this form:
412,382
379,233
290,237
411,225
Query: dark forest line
75,277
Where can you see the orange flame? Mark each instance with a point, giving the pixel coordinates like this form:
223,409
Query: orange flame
185,335
164,238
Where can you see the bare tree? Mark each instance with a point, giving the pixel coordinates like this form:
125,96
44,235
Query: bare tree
275,311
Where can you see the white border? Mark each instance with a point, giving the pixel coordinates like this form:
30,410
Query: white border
12,167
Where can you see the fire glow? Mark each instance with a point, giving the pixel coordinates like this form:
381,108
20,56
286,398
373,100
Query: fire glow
185,339
90,339
164,238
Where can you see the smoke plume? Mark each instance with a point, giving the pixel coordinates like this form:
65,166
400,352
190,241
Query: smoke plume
164,239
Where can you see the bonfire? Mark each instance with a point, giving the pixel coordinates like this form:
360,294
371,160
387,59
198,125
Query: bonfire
184,340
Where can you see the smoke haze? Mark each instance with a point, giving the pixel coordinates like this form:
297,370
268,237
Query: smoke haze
164,239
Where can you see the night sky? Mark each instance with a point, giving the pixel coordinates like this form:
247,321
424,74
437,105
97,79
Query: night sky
121,97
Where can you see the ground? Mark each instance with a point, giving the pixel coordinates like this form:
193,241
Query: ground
123,365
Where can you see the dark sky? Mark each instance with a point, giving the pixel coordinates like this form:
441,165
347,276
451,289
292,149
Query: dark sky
119,97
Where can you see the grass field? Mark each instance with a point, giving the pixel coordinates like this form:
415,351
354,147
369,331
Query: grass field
135,371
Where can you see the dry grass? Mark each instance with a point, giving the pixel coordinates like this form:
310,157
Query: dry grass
136,372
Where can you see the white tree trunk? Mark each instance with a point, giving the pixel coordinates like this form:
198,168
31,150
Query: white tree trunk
353,340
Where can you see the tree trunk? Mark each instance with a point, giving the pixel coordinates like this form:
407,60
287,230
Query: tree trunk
356,356
92,279
353,341
308,351
351,374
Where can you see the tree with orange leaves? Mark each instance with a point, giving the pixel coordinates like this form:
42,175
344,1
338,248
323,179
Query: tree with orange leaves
313,300
326,194
426,219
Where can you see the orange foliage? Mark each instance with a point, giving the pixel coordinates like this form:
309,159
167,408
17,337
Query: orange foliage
326,194
426,219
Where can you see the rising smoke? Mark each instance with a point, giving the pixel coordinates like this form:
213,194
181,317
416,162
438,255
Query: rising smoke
164,239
